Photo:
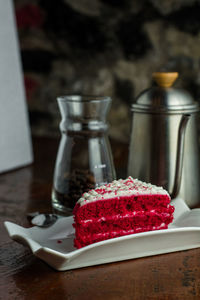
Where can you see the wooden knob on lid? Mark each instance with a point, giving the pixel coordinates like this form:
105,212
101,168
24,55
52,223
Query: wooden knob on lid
165,79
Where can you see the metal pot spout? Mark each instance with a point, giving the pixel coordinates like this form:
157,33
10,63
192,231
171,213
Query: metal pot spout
179,155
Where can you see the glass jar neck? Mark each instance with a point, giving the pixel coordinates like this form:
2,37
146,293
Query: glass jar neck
68,125
83,114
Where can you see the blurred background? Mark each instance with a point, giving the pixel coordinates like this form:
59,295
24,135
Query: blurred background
104,47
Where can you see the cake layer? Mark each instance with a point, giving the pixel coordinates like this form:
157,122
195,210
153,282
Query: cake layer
120,208
85,240
120,205
123,222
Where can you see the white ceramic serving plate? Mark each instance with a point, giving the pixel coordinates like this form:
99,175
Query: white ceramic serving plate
54,245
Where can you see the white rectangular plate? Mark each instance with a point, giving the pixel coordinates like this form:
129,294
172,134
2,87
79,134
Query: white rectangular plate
54,245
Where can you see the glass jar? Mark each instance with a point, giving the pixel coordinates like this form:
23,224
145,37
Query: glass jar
84,159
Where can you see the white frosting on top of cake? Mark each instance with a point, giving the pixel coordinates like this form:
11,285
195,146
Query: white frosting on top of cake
121,187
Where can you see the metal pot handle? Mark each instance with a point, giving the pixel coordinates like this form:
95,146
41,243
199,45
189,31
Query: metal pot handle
179,155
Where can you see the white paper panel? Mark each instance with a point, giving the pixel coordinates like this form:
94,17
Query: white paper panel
15,142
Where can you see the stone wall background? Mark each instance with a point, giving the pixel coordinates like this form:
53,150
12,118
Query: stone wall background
104,47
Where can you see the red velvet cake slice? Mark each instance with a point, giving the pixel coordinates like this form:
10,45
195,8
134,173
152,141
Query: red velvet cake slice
120,208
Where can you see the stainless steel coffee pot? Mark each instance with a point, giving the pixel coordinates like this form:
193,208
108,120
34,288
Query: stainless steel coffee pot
164,146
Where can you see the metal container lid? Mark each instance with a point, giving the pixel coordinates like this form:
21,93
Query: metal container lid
163,98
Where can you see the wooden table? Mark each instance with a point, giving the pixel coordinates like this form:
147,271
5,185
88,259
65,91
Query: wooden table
23,276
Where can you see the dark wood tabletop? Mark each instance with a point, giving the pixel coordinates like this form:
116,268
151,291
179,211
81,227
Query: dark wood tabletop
23,276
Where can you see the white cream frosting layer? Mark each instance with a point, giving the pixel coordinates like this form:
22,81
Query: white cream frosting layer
140,213
121,187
